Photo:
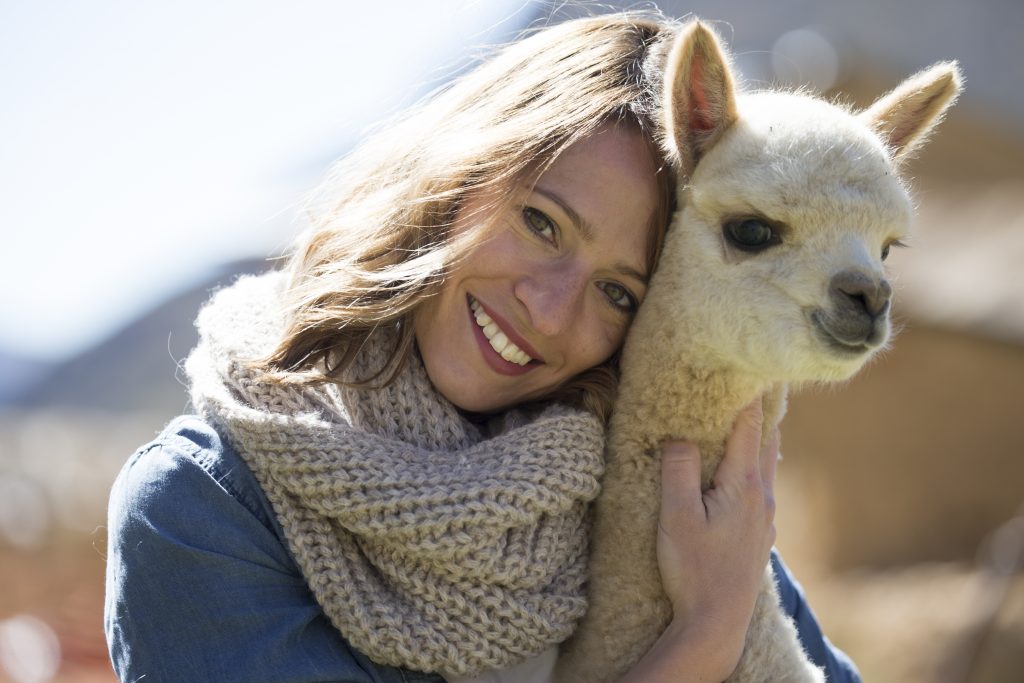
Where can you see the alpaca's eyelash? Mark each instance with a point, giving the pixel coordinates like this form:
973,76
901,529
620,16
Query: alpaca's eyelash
899,244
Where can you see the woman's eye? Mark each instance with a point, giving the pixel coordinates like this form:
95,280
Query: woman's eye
539,222
619,296
750,234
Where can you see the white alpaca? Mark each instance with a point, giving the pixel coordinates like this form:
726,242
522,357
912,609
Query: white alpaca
771,274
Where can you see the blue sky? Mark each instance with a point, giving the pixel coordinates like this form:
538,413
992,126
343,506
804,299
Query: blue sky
144,143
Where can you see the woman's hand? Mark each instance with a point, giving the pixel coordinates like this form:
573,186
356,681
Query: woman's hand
713,547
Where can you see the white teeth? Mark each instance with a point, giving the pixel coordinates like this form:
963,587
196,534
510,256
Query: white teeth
498,340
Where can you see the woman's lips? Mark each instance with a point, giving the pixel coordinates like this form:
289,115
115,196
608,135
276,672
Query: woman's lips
516,347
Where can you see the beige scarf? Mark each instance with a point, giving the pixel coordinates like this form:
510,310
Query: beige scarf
429,546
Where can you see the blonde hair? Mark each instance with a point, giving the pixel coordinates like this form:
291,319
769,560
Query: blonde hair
380,240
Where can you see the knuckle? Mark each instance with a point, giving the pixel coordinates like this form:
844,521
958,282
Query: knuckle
674,458
752,483
678,454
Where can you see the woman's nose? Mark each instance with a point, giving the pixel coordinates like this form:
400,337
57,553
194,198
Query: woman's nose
553,298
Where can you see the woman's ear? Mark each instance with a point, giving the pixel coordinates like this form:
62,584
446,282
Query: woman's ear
904,117
700,98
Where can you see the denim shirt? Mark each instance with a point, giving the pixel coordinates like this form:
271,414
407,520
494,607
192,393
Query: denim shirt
201,585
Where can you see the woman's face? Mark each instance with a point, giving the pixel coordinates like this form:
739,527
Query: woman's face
551,290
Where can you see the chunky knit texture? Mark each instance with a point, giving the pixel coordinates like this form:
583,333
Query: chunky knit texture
428,545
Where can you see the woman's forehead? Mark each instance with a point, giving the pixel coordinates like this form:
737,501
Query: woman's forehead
606,185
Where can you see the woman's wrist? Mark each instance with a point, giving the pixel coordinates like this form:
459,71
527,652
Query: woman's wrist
686,653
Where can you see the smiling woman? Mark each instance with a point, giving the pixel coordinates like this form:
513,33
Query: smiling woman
535,137
399,435
550,289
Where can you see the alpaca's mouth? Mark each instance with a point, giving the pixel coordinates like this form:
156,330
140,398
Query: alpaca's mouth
848,335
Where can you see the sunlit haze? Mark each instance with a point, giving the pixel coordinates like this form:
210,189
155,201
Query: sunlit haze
145,143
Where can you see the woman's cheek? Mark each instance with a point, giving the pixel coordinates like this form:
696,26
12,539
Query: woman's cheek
602,336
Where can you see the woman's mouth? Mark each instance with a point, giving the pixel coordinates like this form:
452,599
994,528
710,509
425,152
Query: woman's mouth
510,356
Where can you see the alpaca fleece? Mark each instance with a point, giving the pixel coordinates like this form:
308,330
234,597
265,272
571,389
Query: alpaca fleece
728,319
428,545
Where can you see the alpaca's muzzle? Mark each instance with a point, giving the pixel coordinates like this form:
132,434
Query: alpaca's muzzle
857,320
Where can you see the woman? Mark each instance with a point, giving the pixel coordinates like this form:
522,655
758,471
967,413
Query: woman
398,437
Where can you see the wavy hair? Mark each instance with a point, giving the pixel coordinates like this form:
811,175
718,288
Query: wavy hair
380,239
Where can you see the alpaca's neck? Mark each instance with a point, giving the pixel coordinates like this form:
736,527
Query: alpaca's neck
672,398
691,400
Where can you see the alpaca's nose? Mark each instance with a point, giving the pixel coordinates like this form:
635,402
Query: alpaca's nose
857,292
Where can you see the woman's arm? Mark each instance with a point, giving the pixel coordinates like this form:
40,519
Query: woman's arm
839,668
200,585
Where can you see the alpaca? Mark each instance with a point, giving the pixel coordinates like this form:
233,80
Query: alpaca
771,274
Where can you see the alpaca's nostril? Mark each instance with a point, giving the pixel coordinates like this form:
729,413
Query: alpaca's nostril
857,298
857,293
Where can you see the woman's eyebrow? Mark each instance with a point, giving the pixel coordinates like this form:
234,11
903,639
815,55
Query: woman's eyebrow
584,228
587,234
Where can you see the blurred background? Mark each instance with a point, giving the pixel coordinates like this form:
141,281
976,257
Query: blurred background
150,151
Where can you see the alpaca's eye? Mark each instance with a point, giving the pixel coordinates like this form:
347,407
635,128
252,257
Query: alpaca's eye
890,245
750,234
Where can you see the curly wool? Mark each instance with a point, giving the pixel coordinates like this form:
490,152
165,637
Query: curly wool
428,545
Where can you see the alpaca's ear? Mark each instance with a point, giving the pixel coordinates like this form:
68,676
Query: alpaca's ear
904,117
700,98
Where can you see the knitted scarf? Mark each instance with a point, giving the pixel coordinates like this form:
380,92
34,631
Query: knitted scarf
428,545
